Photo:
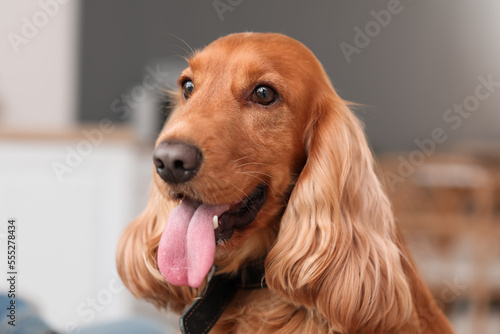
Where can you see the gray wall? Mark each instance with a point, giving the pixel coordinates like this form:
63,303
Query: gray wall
424,61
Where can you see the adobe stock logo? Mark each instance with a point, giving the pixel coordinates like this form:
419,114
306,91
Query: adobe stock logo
153,81
453,118
221,7
363,37
88,310
85,147
31,27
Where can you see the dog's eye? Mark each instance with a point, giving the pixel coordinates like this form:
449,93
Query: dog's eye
264,95
187,89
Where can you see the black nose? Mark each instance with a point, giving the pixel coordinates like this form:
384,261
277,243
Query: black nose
177,162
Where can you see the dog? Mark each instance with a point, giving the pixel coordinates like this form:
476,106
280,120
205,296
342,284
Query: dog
266,215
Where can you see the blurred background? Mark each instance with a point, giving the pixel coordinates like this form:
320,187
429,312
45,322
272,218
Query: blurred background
81,104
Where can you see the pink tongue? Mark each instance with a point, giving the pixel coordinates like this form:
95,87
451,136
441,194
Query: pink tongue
187,245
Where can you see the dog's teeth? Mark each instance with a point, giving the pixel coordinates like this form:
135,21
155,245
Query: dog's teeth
216,222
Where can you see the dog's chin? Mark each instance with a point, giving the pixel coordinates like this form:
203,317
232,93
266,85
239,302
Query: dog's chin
238,217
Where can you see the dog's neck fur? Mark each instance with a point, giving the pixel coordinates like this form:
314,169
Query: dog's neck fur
262,311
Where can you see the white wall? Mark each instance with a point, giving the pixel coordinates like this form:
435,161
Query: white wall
68,229
38,77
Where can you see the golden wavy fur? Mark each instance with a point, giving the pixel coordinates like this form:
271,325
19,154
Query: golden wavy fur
335,260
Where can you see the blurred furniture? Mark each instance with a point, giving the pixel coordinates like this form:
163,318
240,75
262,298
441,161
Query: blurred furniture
448,207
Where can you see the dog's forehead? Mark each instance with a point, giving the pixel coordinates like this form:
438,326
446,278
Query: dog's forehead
252,57
252,50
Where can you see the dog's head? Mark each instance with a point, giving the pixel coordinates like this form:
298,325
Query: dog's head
266,160
232,148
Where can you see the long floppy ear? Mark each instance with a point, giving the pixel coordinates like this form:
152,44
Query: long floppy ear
336,249
136,258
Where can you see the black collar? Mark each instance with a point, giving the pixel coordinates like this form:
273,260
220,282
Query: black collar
202,315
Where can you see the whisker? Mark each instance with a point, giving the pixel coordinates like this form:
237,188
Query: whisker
241,199
248,156
245,195
254,172
256,177
181,56
253,163
145,174
183,41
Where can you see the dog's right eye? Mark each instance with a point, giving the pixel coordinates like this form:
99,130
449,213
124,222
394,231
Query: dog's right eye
187,89
264,95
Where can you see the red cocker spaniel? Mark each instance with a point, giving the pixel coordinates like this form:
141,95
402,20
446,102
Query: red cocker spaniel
266,207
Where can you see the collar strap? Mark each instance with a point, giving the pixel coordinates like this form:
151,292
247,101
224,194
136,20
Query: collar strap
204,312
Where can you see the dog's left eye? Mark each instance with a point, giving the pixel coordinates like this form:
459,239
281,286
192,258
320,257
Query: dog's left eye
264,95
187,89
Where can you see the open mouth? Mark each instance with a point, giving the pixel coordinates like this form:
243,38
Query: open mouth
239,215
186,249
